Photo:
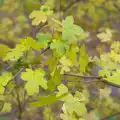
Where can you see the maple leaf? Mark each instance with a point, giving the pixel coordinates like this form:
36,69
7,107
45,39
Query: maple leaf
38,17
105,36
71,32
15,53
24,45
29,43
73,104
34,80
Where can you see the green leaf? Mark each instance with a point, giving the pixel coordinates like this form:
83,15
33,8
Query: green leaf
62,90
73,104
77,107
32,87
52,62
4,50
114,78
30,43
60,46
15,53
43,37
4,79
44,100
71,32
54,80
34,80
24,45
83,59
72,53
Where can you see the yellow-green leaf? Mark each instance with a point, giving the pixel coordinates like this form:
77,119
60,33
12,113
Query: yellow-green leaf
38,17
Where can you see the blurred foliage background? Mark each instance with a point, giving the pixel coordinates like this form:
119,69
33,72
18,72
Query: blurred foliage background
94,16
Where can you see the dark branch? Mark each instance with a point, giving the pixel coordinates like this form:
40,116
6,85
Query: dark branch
85,77
45,50
101,79
19,106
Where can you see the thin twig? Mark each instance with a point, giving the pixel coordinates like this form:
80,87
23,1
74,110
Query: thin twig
9,66
85,77
18,73
84,81
14,76
71,5
34,29
45,50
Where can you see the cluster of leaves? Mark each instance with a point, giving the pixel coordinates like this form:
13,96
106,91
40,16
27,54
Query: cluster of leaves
46,82
61,50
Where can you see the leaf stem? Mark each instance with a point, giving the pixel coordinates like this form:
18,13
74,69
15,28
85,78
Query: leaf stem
56,21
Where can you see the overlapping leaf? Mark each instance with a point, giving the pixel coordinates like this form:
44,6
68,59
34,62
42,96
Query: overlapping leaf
43,39
24,45
60,46
65,64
